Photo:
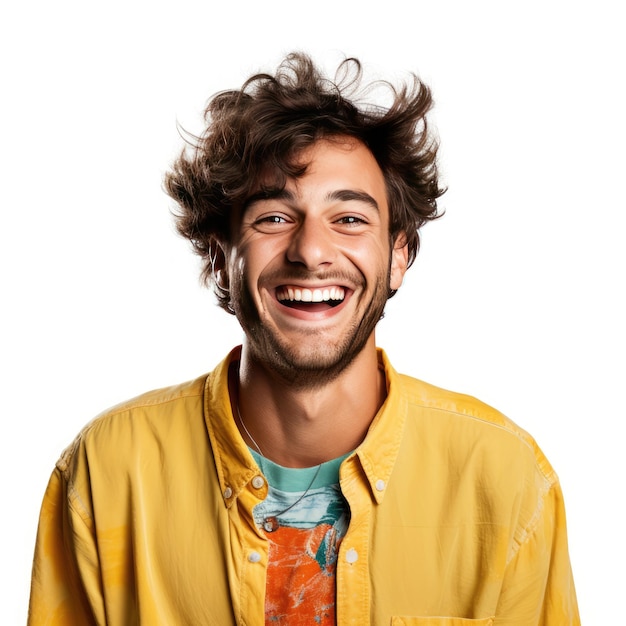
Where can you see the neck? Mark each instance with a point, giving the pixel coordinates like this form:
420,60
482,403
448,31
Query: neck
296,426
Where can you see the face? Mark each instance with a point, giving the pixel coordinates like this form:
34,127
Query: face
312,266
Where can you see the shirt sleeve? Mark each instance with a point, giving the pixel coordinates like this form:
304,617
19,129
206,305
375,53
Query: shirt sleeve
538,587
65,586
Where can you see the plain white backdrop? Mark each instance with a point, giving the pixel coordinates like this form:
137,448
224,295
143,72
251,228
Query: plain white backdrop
517,296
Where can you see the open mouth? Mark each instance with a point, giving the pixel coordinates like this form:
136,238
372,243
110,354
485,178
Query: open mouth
310,299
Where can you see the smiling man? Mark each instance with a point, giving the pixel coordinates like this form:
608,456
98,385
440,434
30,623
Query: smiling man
304,481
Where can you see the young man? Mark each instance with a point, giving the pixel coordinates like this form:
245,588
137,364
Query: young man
304,481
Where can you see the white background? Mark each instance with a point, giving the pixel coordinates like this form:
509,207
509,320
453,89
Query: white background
516,297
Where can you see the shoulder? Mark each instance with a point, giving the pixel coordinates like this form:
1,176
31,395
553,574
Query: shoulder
469,424
151,417
160,397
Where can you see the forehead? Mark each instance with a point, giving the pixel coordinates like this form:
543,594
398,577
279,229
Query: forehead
341,161
331,168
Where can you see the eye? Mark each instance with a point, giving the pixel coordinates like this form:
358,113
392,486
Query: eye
271,219
271,223
351,220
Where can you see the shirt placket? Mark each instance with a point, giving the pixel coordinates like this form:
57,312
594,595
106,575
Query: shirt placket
251,548
353,585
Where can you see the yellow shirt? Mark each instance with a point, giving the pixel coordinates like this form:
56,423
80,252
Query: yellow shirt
456,518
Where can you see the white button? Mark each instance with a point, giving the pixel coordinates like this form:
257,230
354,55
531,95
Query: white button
352,555
254,557
258,482
380,485
228,492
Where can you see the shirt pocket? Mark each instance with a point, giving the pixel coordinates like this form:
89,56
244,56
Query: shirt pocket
440,621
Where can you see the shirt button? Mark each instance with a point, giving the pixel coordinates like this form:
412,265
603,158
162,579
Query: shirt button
228,492
380,485
352,555
254,557
258,482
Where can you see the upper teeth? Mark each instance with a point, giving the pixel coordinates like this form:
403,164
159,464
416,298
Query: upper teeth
310,295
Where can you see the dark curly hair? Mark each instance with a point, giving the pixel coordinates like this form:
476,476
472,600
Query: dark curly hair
263,127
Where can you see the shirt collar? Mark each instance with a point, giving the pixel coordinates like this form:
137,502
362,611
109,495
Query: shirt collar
233,461
379,450
236,466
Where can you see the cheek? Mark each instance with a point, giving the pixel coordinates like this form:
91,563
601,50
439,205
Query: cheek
252,266
371,260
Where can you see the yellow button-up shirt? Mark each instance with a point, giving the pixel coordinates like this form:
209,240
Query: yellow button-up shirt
456,518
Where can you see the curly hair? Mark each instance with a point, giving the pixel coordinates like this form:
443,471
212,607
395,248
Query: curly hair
263,127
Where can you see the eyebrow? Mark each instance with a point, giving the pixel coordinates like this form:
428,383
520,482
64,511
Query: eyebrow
341,195
268,194
346,195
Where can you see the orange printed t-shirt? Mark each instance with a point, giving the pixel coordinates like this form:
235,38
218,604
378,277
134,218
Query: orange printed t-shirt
305,517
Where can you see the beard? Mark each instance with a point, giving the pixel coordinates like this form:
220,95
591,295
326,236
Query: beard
317,361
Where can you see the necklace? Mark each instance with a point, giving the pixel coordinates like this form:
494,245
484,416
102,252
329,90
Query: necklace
270,522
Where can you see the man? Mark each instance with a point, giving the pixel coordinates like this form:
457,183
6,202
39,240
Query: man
304,481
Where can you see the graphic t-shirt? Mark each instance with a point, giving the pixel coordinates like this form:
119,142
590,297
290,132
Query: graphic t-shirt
304,534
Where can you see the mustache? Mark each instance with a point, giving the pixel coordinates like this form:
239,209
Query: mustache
296,274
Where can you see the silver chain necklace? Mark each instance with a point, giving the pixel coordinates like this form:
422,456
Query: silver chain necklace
271,522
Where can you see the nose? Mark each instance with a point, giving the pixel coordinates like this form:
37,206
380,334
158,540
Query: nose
311,245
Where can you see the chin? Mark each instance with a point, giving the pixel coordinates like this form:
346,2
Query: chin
306,366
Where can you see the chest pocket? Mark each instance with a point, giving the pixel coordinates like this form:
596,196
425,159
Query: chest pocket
440,621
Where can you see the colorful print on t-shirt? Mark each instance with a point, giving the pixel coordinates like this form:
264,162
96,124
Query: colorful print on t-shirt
303,554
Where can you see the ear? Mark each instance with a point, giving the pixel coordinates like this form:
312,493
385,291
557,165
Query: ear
399,261
217,256
217,261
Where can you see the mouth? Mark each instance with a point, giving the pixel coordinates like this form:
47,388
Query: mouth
306,299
